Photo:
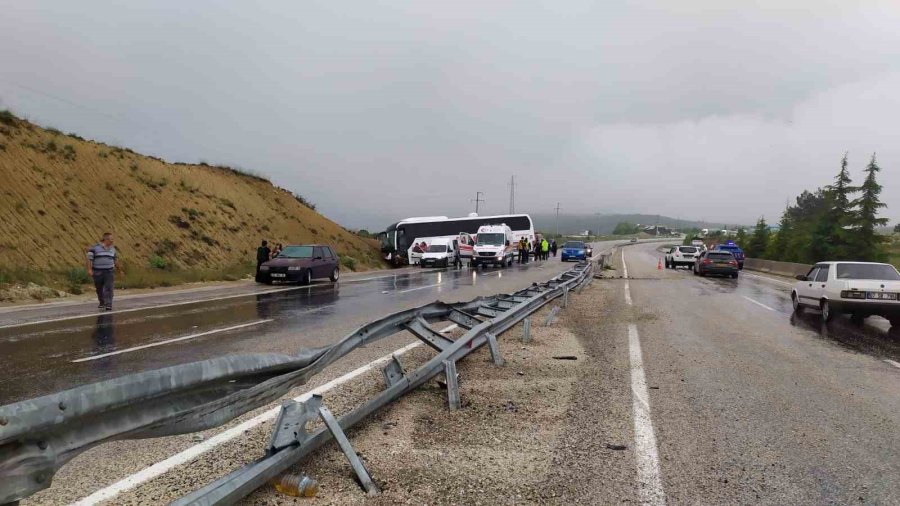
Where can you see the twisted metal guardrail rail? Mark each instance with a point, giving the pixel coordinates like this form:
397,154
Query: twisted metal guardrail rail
38,436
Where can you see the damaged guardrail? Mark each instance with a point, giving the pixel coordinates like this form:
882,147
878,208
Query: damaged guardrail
38,436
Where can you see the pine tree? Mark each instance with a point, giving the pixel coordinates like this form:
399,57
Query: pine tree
866,242
778,245
759,241
741,238
840,217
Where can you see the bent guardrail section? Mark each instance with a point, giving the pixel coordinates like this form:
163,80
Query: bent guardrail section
38,436
511,310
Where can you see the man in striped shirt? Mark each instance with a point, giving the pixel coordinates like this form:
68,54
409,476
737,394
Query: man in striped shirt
101,264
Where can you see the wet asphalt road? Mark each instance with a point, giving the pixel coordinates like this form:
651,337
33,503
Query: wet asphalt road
752,404
78,345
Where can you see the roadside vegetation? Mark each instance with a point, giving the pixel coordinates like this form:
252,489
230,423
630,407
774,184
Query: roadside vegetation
837,222
173,222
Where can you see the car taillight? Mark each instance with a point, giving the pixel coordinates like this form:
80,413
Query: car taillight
706,261
732,262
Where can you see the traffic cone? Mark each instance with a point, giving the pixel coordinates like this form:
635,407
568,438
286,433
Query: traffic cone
659,265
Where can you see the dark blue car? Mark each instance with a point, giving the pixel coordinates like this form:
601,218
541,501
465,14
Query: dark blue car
735,250
574,250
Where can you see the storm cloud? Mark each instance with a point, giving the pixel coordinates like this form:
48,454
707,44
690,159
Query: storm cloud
381,110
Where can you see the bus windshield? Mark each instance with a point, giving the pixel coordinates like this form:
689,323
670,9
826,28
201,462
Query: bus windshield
491,239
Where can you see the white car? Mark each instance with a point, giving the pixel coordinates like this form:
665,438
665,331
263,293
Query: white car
439,254
860,289
681,255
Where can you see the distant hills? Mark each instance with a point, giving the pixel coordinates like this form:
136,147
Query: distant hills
605,223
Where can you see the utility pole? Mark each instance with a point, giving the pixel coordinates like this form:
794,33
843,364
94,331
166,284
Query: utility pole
512,195
477,200
597,232
557,219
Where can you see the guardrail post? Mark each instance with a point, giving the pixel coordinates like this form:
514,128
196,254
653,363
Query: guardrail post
495,349
335,428
551,316
565,297
392,372
526,330
452,384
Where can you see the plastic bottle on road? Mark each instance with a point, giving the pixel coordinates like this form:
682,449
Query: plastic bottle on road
296,485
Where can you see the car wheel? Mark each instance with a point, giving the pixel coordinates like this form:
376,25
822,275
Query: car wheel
795,301
857,319
335,274
307,277
827,313
734,276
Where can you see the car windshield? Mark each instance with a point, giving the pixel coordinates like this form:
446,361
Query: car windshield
491,239
867,271
687,249
720,256
437,248
296,252
574,244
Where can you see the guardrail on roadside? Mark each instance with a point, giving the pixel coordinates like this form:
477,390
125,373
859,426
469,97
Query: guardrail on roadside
38,436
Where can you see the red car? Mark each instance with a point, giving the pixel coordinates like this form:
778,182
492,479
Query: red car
301,263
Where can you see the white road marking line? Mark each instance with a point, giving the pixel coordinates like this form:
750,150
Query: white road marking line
895,364
147,308
758,303
448,328
169,341
627,294
624,267
767,278
195,451
419,288
650,489
182,303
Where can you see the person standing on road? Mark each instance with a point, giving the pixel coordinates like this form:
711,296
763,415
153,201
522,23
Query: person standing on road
553,247
537,250
101,265
263,254
545,249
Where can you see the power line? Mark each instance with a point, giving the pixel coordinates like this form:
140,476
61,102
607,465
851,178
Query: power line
478,200
557,219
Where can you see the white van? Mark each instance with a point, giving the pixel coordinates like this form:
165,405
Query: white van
439,253
494,244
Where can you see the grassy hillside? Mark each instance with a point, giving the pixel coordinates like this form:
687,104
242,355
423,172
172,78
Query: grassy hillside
172,222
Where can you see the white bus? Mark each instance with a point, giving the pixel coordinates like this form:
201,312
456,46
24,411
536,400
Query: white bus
398,238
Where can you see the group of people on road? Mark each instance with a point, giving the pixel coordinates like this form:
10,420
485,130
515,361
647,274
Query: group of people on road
540,248
264,254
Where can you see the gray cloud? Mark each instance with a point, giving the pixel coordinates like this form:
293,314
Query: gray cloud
381,110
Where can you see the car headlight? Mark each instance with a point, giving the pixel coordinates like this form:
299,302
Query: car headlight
294,268
264,268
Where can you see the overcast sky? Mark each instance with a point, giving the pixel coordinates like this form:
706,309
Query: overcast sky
382,110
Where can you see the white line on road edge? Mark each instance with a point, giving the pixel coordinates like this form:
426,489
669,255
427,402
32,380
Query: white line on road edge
624,267
168,341
195,451
895,364
650,489
147,308
767,278
419,288
758,303
192,301
627,294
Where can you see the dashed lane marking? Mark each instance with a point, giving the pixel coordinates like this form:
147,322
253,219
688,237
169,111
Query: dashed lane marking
169,341
767,278
758,303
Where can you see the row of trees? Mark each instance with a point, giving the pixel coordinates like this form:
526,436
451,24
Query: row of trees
837,222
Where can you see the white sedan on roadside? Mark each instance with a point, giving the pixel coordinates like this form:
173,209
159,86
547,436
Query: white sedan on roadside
860,289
